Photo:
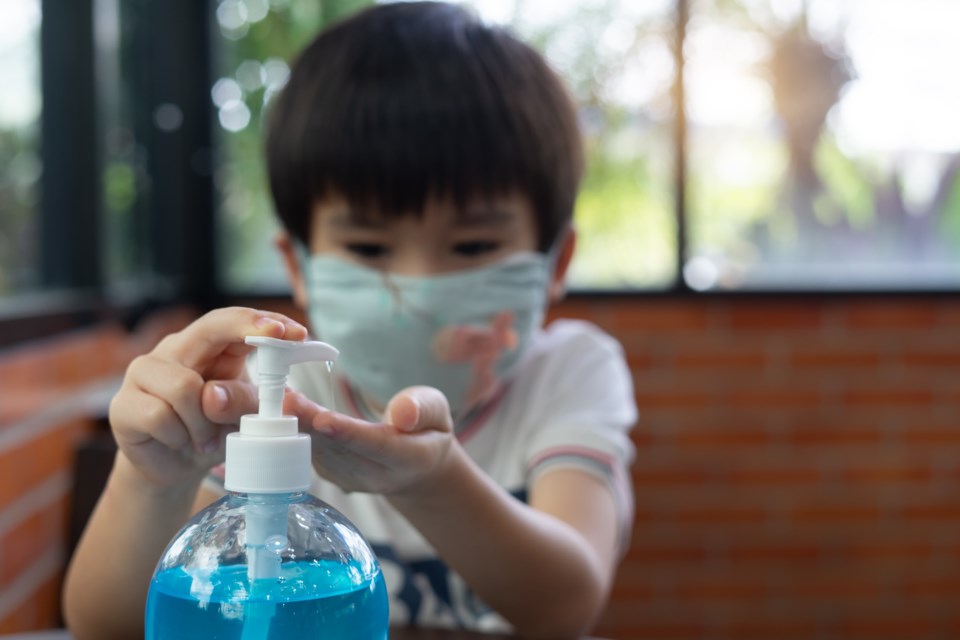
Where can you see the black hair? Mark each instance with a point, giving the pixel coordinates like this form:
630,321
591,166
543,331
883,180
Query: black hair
412,100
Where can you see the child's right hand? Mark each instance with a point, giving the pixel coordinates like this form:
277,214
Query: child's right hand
164,417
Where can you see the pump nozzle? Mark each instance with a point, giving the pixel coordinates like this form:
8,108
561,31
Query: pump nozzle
274,357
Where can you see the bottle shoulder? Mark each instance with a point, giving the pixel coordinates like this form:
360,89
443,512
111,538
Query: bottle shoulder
257,531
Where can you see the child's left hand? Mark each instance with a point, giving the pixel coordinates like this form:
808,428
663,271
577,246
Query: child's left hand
390,457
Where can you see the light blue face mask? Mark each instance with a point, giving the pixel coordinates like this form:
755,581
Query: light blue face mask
460,332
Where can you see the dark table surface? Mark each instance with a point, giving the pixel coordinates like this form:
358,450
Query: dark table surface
395,634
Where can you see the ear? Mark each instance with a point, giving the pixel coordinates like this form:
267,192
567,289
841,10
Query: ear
288,254
568,243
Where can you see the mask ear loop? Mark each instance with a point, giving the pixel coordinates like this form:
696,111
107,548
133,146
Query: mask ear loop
552,255
303,258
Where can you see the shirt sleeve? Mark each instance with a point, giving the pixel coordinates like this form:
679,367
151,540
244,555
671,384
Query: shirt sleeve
584,397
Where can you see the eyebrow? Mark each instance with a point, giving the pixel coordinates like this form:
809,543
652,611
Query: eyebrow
349,219
471,218
486,217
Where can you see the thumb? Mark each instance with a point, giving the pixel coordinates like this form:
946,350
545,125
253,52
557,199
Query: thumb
419,409
226,401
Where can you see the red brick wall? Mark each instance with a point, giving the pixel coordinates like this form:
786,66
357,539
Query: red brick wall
45,409
797,471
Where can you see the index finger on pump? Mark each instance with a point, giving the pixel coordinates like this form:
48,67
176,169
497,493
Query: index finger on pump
223,331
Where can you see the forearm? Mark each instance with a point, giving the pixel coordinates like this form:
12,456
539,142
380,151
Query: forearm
535,570
106,585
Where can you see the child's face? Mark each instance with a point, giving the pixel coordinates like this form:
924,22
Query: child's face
441,333
439,241
434,331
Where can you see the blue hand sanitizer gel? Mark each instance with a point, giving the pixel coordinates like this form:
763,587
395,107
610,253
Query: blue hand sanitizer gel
269,561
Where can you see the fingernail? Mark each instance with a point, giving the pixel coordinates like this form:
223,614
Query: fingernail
325,429
297,325
413,424
220,397
212,445
264,321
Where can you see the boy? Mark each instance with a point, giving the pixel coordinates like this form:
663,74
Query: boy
424,166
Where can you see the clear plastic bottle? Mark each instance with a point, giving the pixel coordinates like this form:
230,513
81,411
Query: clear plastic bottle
269,561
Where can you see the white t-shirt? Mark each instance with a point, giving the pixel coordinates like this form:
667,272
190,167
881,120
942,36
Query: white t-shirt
569,404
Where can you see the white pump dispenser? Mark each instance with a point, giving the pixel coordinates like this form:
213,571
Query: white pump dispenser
269,455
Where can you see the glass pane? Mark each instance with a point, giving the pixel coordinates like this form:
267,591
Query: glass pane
20,165
257,39
124,179
824,149
615,55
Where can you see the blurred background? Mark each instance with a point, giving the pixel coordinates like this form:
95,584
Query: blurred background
770,224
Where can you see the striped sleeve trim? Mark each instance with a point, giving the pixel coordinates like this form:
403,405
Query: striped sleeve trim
599,464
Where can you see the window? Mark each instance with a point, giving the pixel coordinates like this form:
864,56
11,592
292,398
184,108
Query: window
625,211
256,42
20,165
824,145
616,58
820,153
816,148
124,174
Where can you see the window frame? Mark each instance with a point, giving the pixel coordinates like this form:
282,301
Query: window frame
179,204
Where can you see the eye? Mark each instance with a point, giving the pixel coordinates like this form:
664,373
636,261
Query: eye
368,250
475,248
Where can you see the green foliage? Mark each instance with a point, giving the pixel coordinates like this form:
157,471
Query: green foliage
19,193
950,216
246,209
846,184
626,229
119,187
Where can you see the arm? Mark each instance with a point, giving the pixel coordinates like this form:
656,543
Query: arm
166,443
106,585
545,567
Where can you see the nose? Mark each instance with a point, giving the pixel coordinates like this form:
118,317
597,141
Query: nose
417,259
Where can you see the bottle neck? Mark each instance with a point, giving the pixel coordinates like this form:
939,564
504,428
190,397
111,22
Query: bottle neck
270,393
269,498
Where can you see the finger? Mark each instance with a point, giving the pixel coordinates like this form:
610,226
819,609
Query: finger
157,419
502,321
180,388
342,439
221,333
505,331
226,401
305,409
418,409
332,423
